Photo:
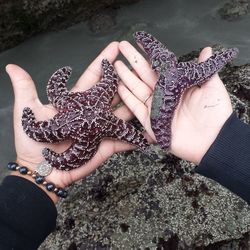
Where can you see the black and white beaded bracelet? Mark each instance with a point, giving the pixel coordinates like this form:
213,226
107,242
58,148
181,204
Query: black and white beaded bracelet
40,180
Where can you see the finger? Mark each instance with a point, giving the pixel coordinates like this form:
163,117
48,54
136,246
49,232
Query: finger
135,73
139,63
23,85
130,80
135,105
124,113
149,138
116,100
94,71
205,54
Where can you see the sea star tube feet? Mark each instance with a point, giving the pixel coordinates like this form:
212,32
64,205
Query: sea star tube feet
84,117
173,79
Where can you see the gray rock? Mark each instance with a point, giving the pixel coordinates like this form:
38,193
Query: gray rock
23,19
102,22
234,9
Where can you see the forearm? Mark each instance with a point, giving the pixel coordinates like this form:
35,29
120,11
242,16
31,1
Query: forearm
27,214
227,161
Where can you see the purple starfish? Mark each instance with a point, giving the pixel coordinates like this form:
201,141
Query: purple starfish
85,117
174,78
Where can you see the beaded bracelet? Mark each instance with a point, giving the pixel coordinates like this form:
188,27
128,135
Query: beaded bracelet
40,180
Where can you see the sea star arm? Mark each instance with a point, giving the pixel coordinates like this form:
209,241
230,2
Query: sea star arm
148,42
43,131
119,129
56,88
161,58
162,130
109,80
196,73
75,156
106,89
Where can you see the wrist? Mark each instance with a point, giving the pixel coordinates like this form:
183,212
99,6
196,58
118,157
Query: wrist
39,174
51,195
227,160
52,177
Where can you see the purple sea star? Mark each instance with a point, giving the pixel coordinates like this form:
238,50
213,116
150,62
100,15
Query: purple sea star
85,117
174,78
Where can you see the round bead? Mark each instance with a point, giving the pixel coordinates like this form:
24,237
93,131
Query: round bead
39,179
23,170
12,166
50,186
62,193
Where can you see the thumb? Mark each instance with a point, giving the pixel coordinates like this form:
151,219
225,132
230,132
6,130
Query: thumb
23,85
205,54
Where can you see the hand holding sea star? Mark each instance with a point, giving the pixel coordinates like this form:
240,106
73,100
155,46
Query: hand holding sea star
85,117
174,78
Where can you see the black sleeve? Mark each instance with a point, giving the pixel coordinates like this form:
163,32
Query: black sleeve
228,159
27,214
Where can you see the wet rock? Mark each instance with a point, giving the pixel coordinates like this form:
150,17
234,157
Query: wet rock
124,227
134,202
237,79
69,223
93,246
25,18
72,246
234,9
102,22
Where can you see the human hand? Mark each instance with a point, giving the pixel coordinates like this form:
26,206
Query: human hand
29,152
199,116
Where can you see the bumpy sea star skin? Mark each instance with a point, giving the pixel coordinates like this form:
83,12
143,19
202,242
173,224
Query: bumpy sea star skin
85,117
174,78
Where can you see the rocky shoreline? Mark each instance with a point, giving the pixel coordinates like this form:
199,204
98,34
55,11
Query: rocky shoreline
21,20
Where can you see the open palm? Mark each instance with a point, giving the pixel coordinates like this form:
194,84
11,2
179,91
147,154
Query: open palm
199,116
29,152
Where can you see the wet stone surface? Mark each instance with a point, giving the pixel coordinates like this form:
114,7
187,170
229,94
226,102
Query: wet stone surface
23,19
234,9
102,22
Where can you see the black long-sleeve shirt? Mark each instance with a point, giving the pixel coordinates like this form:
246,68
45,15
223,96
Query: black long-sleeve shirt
28,215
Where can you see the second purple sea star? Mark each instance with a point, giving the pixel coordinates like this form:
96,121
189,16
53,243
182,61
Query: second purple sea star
174,78
85,117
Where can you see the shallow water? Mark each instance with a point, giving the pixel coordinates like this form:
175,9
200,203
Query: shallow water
182,25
